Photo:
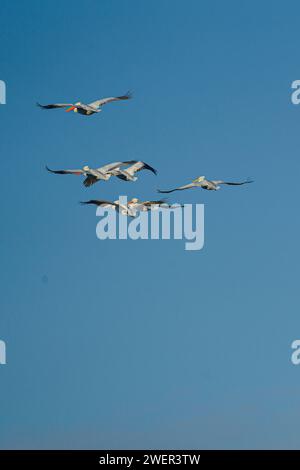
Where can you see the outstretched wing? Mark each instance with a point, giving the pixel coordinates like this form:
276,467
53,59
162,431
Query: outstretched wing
154,203
53,106
101,203
181,188
112,166
138,166
98,103
65,172
229,183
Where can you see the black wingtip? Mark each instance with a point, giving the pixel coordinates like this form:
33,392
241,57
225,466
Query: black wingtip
163,192
148,167
127,96
91,201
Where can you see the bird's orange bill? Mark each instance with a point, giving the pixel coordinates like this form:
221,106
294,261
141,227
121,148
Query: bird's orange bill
70,109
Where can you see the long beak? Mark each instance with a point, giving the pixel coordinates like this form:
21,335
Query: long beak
70,109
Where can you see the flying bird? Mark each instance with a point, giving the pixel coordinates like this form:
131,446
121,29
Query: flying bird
132,207
105,172
86,109
202,182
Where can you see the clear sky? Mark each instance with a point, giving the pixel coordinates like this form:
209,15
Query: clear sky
141,344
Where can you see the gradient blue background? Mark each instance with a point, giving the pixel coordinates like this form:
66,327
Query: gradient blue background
141,344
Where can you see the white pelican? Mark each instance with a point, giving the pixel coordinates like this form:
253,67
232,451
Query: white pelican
87,109
105,172
211,185
132,207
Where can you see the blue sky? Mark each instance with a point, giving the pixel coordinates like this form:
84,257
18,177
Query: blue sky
141,344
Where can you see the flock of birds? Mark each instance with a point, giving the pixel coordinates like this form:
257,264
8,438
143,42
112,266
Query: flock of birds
126,170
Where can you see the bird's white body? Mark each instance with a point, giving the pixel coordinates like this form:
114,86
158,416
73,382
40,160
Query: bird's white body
98,174
86,109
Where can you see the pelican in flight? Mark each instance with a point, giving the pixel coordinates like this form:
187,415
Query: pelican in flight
132,207
105,172
202,182
87,109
